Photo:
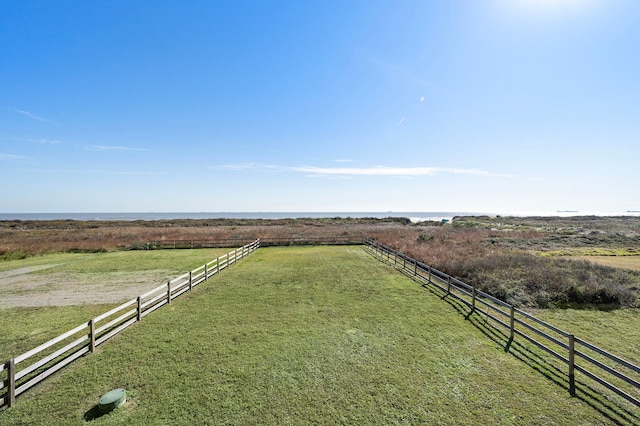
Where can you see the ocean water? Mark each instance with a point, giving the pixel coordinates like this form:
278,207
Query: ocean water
413,216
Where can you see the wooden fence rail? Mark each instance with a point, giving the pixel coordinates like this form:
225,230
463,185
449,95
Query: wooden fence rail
64,349
264,242
611,371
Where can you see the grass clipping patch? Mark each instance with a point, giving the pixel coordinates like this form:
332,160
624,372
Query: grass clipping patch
312,335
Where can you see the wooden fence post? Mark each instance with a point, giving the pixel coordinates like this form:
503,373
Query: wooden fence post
11,378
169,292
512,323
191,280
572,378
139,308
218,264
92,331
429,274
449,285
415,267
206,272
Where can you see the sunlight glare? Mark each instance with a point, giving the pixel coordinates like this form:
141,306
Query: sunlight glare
547,9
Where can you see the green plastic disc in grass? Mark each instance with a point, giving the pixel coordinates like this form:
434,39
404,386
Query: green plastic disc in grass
112,400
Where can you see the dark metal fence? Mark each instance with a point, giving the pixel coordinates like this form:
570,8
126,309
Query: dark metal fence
611,371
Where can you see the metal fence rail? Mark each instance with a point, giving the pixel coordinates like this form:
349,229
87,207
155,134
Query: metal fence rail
83,339
614,373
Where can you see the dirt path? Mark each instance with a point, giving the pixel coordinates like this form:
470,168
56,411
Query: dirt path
26,270
21,287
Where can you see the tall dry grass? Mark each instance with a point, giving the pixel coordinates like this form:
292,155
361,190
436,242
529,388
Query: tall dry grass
502,262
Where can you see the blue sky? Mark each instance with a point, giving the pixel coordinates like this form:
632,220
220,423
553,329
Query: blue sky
445,105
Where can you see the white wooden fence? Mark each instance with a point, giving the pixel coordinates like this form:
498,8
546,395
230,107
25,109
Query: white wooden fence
16,377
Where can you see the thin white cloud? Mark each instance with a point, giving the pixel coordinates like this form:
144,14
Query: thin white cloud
129,173
402,120
33,116
13,157
314,171
343,161
46,141
389,171
114,148
368,171
43,141
86,172
238,167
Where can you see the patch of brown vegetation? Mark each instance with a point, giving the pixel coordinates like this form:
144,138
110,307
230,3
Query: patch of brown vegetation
497,254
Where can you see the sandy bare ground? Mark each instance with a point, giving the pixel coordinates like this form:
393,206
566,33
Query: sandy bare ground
25,287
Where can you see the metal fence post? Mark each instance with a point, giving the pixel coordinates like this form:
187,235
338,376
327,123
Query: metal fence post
572,378
473,300
429,274
191,280
169,292
139,308
206,272
449,285
512,323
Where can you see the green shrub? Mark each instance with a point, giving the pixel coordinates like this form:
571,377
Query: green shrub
534,281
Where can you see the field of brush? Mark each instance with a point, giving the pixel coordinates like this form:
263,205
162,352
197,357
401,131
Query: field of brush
534,262
304,335
316,335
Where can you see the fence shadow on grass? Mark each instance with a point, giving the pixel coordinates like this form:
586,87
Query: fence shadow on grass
615,408
591,396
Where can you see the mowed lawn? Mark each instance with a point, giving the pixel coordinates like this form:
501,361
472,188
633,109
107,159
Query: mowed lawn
307,335
625,262
30,326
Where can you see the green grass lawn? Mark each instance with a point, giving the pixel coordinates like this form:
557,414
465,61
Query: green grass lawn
46,259
178,261
32,326
175,261
617,331
619,261
29,327
310,335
